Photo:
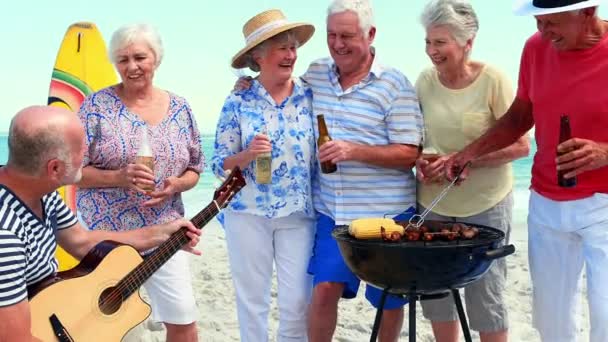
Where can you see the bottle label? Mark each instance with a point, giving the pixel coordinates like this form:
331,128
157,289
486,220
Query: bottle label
263,169
149,162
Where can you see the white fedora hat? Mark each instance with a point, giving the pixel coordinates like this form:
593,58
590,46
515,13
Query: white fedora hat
540,7
266,25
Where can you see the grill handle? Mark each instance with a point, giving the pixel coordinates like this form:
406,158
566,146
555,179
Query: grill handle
500,252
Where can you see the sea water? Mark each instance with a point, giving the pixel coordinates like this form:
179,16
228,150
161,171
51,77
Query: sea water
201,195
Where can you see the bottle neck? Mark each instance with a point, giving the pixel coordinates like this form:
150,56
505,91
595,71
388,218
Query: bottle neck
564,129
145,150
322,127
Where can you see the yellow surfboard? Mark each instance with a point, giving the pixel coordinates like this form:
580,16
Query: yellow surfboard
81,68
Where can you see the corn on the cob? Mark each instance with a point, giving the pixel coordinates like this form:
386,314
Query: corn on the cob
369,228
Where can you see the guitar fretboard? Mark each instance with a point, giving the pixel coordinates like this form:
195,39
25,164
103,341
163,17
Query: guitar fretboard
129,284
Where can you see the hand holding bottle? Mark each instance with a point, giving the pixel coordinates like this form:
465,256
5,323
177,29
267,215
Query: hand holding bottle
133,175
171,186
430,168
337,151
565,134
261,149
139,174
260,144
327,166
577,155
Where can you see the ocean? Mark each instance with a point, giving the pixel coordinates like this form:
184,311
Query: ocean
202,194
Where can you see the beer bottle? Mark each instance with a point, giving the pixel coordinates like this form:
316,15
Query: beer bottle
327,166
263,169
564,135
145,156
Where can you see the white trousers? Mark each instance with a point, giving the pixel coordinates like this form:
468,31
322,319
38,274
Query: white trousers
254,242
562,237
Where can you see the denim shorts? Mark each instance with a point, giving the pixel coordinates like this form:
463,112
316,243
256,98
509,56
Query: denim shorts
327,265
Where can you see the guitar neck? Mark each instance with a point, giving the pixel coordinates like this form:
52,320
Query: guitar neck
133,281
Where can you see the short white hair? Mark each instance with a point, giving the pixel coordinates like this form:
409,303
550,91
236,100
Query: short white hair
362,8
136,33
457,14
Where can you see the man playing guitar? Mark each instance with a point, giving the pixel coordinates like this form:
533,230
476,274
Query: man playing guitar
46,146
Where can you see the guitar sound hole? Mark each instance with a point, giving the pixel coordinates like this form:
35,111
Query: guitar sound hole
110,301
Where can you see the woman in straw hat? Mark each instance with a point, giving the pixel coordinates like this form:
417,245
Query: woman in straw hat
269,221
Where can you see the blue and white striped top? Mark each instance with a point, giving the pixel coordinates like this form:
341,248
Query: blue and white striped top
27,245
382,109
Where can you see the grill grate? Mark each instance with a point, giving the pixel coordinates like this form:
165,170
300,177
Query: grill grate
485,236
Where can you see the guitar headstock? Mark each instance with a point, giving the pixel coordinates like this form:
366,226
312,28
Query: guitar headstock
230,187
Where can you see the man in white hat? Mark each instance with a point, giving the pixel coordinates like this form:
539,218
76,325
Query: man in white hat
563,72
373,116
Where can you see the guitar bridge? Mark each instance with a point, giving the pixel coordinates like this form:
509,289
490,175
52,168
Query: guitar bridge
60,331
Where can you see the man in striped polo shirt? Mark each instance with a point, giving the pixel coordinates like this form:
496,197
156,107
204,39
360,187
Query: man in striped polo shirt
46,146
374,119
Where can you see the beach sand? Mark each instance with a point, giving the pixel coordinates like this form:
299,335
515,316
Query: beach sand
218,322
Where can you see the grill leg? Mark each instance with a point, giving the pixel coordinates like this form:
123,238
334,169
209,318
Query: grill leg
378,319
463,317
412,322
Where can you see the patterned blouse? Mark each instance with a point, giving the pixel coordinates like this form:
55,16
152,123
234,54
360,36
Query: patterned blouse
113,137
247,113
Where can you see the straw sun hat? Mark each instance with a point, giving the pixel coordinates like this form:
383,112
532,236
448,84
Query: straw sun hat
541,7
266,25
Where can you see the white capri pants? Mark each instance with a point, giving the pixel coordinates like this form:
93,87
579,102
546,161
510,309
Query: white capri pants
170,292
254,243
562,237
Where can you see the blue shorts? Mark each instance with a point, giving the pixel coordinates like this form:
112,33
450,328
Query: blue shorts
327,265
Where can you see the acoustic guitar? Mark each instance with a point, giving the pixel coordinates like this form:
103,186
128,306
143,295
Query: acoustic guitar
99,299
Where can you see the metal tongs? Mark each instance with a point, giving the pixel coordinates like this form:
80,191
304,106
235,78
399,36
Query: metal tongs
418,219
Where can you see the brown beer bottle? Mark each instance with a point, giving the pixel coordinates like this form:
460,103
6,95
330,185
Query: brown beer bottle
328,166
564,135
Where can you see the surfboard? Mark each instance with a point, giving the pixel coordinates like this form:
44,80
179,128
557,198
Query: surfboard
82,67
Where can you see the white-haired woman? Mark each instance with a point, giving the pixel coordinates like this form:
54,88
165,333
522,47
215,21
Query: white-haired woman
461,98
269,222
111,195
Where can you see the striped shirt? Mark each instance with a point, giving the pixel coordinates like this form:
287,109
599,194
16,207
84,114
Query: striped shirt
382,109
27,245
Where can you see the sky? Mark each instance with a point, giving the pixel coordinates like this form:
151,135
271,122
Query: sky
201,36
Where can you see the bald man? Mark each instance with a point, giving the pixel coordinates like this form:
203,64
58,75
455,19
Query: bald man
46,146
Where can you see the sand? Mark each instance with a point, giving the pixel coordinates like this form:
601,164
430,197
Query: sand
218,321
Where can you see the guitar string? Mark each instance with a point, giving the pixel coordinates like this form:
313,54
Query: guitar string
135,276
158,258
129,284
173,244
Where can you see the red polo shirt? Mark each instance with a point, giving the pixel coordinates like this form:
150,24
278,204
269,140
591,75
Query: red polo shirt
565,82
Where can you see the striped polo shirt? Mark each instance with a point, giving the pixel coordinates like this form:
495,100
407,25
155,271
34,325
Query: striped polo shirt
382,109
27,243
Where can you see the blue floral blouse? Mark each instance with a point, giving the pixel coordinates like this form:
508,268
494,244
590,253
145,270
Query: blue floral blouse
289,125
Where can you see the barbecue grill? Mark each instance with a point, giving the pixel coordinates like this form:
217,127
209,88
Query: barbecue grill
422,270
